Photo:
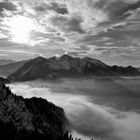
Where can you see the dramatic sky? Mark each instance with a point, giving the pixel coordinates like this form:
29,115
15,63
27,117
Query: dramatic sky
108,30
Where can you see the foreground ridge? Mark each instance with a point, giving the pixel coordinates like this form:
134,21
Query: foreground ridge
35,118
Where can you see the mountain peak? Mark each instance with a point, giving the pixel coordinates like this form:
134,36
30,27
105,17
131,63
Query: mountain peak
65,56
39,59
130,67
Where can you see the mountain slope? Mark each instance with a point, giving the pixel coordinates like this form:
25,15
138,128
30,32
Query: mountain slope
4,62
10,68
67,66
29,118
4,81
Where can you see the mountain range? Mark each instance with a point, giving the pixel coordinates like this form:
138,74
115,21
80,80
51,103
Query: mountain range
67,66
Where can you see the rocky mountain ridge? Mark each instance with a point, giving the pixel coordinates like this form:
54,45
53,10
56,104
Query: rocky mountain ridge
67,66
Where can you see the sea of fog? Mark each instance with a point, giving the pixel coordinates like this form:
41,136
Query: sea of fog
102,108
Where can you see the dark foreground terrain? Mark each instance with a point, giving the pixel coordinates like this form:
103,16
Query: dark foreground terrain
33,118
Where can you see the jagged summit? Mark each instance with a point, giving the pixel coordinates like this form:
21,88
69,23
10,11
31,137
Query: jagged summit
95,61
68,66
39,59
65,56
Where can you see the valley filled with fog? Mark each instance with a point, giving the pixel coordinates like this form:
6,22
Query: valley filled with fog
102,108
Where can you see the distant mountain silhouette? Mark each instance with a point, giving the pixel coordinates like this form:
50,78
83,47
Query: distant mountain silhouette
4,61
35,118
10,68
67,66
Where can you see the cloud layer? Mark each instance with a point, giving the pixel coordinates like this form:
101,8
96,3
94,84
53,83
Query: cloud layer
108,29
86,117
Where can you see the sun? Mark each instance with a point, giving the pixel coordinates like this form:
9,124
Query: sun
20,28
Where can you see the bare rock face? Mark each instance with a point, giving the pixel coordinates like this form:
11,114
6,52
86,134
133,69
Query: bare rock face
67,66
29,118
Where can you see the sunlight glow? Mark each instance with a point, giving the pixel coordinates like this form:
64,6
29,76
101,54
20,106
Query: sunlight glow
20,29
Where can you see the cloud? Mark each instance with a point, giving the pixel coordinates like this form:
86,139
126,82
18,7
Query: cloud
60,9
18,54
68,24
86,117
118,9
8,6
65,25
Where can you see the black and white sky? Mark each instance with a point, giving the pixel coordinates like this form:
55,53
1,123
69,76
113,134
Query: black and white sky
108,30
